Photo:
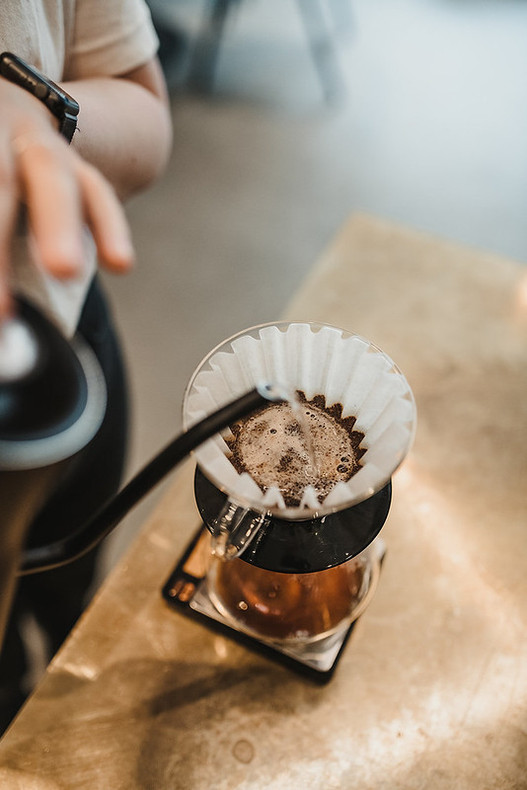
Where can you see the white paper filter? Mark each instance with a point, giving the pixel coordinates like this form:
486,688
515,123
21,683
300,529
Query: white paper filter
327,361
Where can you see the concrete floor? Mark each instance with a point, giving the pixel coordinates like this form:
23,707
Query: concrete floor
430,131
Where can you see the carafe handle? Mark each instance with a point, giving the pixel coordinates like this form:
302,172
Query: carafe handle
233,529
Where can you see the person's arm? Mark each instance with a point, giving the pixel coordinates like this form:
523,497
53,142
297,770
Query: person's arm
124,126
61,186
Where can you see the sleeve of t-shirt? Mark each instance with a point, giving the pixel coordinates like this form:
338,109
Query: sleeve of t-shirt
109,37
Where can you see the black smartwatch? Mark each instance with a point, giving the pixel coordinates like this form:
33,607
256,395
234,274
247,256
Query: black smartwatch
60,103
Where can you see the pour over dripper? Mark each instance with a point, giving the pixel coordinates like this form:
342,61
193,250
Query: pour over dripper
318,360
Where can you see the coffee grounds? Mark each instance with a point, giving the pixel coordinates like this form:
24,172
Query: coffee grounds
271,446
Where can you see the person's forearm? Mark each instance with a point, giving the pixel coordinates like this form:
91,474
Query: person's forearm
124,127
124,139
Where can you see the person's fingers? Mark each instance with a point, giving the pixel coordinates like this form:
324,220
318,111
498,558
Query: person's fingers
8,206
61,193
51,195
5,294
106,219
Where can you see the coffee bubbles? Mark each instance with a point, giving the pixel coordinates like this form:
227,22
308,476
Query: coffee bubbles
318,449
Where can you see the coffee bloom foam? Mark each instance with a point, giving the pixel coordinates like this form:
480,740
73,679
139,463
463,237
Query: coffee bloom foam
293,448
318,360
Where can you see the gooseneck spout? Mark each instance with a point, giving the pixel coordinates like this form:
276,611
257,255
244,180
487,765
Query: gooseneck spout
70,548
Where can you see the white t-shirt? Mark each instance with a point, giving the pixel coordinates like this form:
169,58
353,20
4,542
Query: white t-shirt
71,39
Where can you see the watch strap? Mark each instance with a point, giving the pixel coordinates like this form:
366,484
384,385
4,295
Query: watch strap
68,126
63,106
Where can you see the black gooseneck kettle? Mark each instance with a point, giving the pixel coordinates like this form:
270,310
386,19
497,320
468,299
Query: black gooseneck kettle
52,402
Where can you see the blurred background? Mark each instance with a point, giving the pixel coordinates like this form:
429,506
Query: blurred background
411,110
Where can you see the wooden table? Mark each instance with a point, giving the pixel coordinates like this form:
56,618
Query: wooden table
431,691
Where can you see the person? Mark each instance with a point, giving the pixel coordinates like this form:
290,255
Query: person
103,53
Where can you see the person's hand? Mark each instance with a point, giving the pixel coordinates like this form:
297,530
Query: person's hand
60,192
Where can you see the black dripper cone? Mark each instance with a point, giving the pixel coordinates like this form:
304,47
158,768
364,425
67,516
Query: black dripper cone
303,546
